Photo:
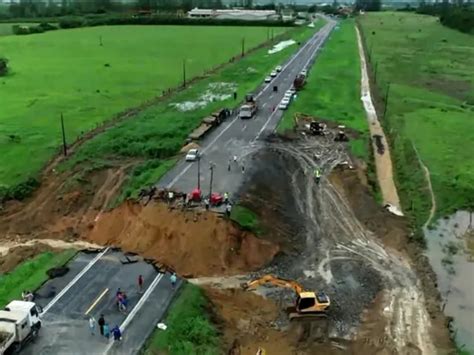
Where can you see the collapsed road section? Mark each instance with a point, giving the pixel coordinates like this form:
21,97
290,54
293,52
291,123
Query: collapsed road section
89,289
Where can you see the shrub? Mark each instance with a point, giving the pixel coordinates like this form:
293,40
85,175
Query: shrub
20,30
20,191
71,23
3,66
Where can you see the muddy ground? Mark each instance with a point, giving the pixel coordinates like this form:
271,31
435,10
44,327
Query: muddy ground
331,237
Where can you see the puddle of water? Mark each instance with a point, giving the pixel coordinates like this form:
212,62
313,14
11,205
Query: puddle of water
452,258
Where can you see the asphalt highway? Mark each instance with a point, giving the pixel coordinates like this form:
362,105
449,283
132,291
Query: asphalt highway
241,138
68,302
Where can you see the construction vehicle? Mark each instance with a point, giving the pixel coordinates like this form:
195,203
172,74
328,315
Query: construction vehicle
341,135
309,304
249,108
299,82
317,128
19,323
208,123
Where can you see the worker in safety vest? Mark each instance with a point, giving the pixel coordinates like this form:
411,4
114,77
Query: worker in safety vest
226,197
317,175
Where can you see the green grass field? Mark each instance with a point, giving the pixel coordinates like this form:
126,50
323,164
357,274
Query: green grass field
68,72
157,134
30,275
431,106
247,219
332,90
190,331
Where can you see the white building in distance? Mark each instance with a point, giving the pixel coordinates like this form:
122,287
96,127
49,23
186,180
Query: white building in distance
233,14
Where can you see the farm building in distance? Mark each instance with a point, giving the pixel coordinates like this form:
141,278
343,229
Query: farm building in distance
234,14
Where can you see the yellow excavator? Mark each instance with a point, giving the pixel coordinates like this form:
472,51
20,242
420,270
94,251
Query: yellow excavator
309,304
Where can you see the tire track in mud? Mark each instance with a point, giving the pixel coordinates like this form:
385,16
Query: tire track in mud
339,251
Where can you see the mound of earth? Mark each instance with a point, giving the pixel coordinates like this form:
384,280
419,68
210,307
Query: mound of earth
17,255
192,243
246,321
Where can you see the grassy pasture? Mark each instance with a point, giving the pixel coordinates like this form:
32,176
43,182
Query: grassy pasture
431,106
157,133
69,72
332,90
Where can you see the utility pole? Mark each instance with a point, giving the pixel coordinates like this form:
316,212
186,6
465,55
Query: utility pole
184,72
211,167
64,135
386,102
243,46
199,173
375,71
100,41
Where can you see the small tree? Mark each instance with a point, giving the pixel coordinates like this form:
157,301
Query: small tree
3,66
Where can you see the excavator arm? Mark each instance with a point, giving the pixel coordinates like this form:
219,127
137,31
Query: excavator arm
276,282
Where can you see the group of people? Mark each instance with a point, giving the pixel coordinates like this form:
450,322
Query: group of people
233,161
104,328
121,301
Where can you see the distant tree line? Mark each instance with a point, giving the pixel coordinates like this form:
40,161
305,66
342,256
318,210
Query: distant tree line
458,16
368,5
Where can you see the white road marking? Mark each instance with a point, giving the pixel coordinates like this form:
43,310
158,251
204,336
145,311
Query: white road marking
135,309
312,41
265,104
73,281
244,127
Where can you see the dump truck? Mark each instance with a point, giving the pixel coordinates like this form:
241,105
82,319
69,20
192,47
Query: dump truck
208,123
249,108
19,323
299,81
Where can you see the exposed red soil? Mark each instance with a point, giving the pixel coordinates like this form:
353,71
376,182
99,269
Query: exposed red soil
192,243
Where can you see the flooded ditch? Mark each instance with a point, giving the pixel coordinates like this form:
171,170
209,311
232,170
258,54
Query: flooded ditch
451,253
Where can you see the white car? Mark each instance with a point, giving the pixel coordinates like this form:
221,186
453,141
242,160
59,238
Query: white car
292,90
268,79
284,104
273,74
304,72
278,68
193,154
288,95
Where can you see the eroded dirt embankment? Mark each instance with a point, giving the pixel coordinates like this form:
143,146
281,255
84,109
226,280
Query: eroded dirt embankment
193,243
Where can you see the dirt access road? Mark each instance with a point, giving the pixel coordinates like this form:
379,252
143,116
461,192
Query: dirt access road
335,238
240,138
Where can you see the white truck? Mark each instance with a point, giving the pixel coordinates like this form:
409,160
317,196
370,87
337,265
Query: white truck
19,323
250,108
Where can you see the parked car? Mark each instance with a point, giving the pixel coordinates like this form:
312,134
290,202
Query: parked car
268,79
304,72
273,74
284,104
288,95
278,68
193,154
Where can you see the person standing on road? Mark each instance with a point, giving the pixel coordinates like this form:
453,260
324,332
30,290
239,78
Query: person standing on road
173,280
117,333
235,159
228,166
140,283
206,204
92,325
106,331
228,210
101,323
